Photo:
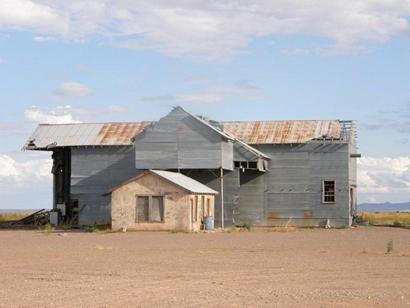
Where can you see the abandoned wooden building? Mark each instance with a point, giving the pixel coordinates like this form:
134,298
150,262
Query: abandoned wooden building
266,173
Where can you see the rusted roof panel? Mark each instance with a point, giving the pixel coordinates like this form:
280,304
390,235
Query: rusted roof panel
282,132
255,132
119,133
84,134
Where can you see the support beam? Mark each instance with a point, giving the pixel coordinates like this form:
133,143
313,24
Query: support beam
222,198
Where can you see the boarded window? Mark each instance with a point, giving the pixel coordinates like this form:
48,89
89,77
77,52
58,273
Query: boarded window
328,192
157,209
142,209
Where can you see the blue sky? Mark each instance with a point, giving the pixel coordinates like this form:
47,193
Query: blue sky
98,61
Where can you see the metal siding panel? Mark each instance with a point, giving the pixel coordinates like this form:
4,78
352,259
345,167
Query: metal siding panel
179,141
94,172
293,184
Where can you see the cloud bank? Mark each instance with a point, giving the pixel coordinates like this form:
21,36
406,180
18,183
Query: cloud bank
212,28
384,179
23,173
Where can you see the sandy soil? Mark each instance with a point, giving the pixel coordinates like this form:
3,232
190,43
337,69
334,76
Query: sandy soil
327,268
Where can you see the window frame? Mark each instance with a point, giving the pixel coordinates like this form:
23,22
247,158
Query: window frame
150,197
323,197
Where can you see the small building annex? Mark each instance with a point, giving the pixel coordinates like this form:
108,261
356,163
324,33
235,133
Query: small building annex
161,200
266,173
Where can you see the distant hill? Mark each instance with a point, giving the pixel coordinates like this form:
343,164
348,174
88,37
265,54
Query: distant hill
384,207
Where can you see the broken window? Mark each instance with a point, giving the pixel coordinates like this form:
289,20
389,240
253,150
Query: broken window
246,164
142,209
149,209
328,192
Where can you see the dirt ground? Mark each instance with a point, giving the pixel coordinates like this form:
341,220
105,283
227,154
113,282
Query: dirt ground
313,267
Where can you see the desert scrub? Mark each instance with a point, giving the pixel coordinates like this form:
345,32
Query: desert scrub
394,219
47,229
13,216
247,227
390,246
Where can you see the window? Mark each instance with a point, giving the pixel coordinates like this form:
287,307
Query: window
328,192
149,209
157,209
208,207
142,209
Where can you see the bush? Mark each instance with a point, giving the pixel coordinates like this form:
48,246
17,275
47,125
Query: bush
247,226
90,229
390,246
47,229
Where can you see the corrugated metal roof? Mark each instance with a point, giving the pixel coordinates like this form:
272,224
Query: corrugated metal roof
255,132
282,132
84,134
184,182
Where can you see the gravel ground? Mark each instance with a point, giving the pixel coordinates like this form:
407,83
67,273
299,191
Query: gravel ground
313,267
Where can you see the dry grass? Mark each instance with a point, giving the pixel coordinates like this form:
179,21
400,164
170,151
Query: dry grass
385,219
13,216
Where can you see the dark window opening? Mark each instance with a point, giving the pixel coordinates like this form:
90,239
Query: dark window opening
329,192
246,164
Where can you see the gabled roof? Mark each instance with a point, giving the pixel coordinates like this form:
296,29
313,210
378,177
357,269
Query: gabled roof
186,183
214,128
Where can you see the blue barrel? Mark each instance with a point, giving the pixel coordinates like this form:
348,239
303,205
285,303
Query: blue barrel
209,223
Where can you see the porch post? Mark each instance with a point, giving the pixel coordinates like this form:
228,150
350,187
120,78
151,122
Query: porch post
222,198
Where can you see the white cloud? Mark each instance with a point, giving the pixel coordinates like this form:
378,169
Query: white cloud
384,179
295,52
20,173
200,98
71,89
60,115
43,39
32,16
211,28
68,114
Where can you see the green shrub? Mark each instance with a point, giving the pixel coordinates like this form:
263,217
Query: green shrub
90,228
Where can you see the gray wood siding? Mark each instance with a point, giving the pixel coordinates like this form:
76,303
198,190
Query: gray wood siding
179,141
94,171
